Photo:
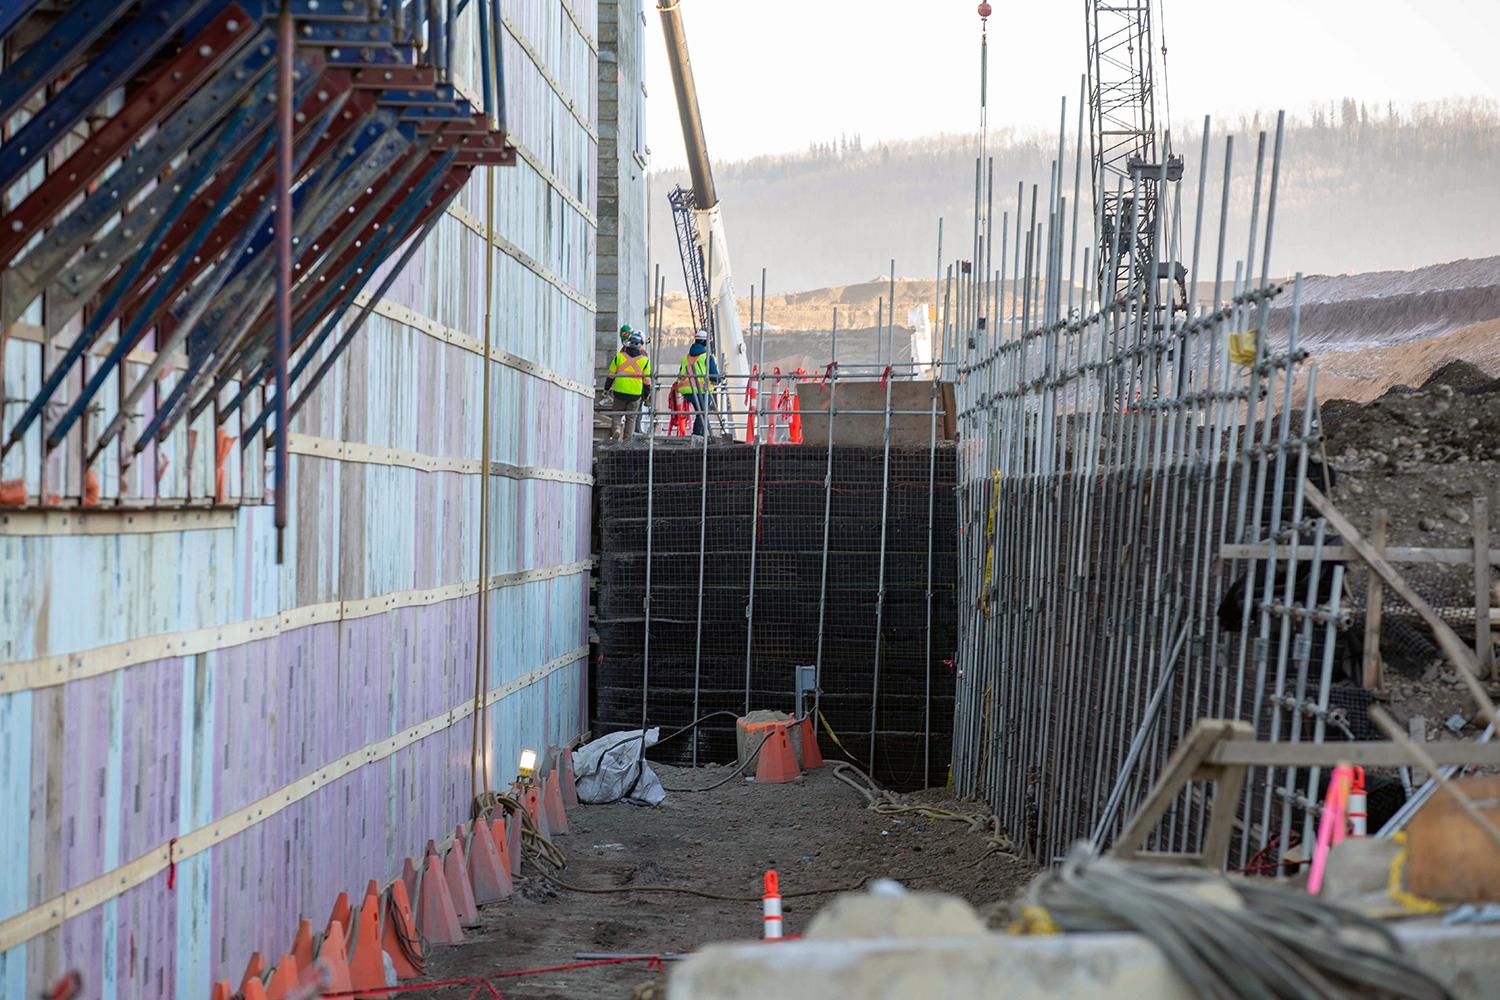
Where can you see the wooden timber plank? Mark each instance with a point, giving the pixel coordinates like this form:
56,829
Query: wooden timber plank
1362,754
49,671
1347,553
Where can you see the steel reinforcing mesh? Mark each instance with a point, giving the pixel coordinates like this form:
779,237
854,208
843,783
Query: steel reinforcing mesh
779,517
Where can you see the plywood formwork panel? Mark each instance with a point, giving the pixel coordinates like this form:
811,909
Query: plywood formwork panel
366,630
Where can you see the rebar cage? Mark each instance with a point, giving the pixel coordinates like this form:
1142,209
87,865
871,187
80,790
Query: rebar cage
1109,449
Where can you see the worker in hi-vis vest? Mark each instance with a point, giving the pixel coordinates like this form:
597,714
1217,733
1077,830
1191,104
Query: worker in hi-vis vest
629,380
696,380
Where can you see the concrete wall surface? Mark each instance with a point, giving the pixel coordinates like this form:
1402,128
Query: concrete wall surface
200,745
622,286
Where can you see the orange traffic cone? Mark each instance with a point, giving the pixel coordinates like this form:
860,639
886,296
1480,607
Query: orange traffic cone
502,845
253,970
490,879
456,871
776,763
811,756
222,990
334,957
531,798
253,989
302,946
409,876
283,978
340,912
401,940
366,966
569,780
436,917
557,816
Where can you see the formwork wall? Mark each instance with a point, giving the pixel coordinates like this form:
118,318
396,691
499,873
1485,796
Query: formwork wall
708,508
199,744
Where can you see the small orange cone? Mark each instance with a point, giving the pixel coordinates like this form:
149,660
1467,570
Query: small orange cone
334,956
569,780
283,979
409,876
340,912
222,990
456,870
401,940
811,756
436,917
557,816
253,989
513,848
490,879
776,763
499,839
531,798
253,970
302,946
366,966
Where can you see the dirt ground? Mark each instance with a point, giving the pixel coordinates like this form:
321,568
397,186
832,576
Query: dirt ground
1422,454
816,832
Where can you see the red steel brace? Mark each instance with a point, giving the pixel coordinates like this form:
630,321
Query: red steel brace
172,84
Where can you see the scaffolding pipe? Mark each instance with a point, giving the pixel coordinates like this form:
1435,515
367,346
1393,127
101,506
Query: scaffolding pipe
286,52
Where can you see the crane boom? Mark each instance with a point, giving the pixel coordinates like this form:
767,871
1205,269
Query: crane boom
713,245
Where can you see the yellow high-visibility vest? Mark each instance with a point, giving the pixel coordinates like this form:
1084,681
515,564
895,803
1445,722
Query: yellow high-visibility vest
692,376
629,373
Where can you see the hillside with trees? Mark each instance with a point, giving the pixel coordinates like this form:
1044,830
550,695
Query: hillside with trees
1363,189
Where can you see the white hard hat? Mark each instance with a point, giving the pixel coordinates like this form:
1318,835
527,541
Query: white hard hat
701,336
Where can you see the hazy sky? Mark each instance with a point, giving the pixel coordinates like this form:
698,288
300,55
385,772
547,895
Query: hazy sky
774,75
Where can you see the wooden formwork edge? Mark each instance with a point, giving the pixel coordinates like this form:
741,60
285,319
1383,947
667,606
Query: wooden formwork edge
82,898
50,671
371,454
113,521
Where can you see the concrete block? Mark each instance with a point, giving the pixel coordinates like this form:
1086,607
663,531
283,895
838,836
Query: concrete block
988,966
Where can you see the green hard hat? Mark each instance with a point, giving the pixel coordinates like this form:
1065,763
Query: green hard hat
625,330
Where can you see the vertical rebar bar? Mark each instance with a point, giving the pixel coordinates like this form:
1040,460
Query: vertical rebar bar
833,384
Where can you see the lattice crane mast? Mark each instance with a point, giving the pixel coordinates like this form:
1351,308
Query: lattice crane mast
1129,152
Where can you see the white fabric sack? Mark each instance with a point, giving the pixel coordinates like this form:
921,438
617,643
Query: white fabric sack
607,768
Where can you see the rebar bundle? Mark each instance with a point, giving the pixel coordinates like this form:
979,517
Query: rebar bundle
1108,450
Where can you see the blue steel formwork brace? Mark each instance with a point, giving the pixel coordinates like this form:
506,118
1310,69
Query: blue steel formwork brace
340,297
362,163
24,280
128,336
226,138
197,300
14,14
176,260
375,214
378,146
127,52
55,51
81,280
